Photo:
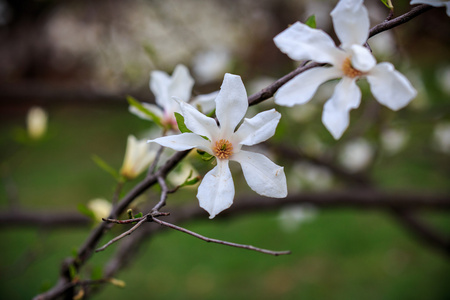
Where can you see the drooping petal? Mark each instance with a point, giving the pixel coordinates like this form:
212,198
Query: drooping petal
259,128
151,107
184,141
231,103
362,58
390,87
302,88
198,122
336,110
300,42
216,191
159,85
181,83
261,174
351,22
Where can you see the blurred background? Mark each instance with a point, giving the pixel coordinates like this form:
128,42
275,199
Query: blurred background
78,60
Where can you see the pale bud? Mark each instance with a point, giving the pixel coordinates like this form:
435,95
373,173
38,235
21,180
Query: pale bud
36,122
137,157
100,207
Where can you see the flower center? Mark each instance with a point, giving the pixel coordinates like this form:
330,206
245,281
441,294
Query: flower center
348,69
223,149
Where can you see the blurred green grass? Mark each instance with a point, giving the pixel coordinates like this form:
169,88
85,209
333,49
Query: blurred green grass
341,254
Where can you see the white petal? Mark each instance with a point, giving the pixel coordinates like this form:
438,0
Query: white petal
300,42
216,191
259,128
390,87
336,110
362,58
183,142
181,83
302,88
351,22
206,102
261,174
231,103
198,122
159,85
151,107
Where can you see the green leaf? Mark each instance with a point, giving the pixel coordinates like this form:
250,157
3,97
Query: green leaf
104,165
133,102
388,4
86,211
207,157
139,215
180,121
311,21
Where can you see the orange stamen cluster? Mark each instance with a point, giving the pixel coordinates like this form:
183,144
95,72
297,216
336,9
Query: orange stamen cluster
223,149
348,69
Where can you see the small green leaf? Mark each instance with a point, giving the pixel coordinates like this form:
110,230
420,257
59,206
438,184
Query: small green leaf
139,215
180,121
212,113
72,271
86,211
311,21
388,4
133,102
207,157
104,165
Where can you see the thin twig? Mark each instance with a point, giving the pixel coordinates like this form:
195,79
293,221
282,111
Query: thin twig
209,240
152,168
128,232
164,192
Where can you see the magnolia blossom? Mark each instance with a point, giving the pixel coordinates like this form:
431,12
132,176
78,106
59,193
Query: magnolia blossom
100,207
137,158
356,155
36,122
351,61
436,3
164,87
216,191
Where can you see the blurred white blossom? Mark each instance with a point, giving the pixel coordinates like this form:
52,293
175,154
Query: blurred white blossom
100,207
138,156
305,175
393,140
36,122
443,78
356,155
436,3
210,65
291,217
441,137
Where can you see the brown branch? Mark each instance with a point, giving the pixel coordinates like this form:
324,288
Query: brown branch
209,240
51,220
119,237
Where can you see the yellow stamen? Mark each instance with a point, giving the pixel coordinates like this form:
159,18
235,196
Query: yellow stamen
348,69
223,149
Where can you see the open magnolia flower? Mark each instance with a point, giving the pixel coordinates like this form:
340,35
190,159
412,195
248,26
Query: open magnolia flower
216,191
436,3
164,87
138,157
351,61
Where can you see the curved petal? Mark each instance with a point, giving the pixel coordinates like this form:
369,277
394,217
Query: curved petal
198,122
206,102
336,110
184,141
351,22
231,104
390,87
259,128
302,87
362,58
181,83
216,191
159,85
300,42
262,175
151,107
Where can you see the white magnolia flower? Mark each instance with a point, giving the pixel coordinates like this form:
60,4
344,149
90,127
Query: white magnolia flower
210,65
164,87
436,3
216,191
292,217
137,158
350,62
393,140
36,122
